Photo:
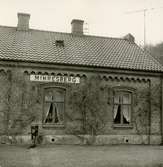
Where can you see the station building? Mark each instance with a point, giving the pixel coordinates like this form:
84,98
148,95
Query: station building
60,81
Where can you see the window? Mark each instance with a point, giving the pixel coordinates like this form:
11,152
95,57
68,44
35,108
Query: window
122,107
54,99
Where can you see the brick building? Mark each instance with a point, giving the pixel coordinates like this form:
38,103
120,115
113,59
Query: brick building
45,77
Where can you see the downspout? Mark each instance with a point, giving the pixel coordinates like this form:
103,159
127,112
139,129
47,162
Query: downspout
149,115
161,111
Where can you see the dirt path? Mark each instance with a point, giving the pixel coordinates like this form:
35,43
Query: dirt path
35,160
81,156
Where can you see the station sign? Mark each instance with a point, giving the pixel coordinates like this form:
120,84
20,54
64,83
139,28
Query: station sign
52,78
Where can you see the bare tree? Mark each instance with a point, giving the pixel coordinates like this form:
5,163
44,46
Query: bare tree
156,51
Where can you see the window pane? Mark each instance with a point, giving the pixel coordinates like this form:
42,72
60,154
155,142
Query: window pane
48,95
126,114
117,114
59,95
116,98
126,98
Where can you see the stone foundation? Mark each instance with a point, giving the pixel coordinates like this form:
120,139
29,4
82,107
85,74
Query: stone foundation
83,139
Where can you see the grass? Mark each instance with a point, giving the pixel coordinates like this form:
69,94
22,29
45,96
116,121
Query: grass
81,156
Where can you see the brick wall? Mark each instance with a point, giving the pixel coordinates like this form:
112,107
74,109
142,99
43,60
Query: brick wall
25,105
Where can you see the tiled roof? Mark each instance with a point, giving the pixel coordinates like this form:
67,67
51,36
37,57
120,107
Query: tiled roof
39,46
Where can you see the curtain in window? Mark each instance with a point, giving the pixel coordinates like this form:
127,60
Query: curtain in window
60,111
126,113
116,104
56,115
47,111
115,111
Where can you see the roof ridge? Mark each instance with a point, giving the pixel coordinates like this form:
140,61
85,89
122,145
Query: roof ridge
75,35
4,26
67,33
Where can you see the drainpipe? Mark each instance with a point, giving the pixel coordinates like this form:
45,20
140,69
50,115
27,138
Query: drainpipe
161,111
149,115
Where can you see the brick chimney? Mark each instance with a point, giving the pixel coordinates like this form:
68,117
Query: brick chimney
77,27
23,21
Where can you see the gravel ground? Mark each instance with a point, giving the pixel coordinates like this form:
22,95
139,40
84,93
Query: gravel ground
81,156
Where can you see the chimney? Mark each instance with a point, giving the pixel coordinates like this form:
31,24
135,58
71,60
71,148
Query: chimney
77,27
23,21
129,38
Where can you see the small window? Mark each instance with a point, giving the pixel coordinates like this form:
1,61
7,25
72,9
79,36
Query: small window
122,107
54,99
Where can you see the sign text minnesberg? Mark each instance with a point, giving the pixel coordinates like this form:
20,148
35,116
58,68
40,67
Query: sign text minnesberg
51,78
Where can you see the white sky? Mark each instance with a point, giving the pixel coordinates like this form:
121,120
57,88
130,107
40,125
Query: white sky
104,17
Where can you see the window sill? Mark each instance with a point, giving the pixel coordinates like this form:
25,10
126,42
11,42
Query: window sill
53,126
122,126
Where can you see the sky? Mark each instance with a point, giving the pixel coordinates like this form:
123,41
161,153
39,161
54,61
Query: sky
110,18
